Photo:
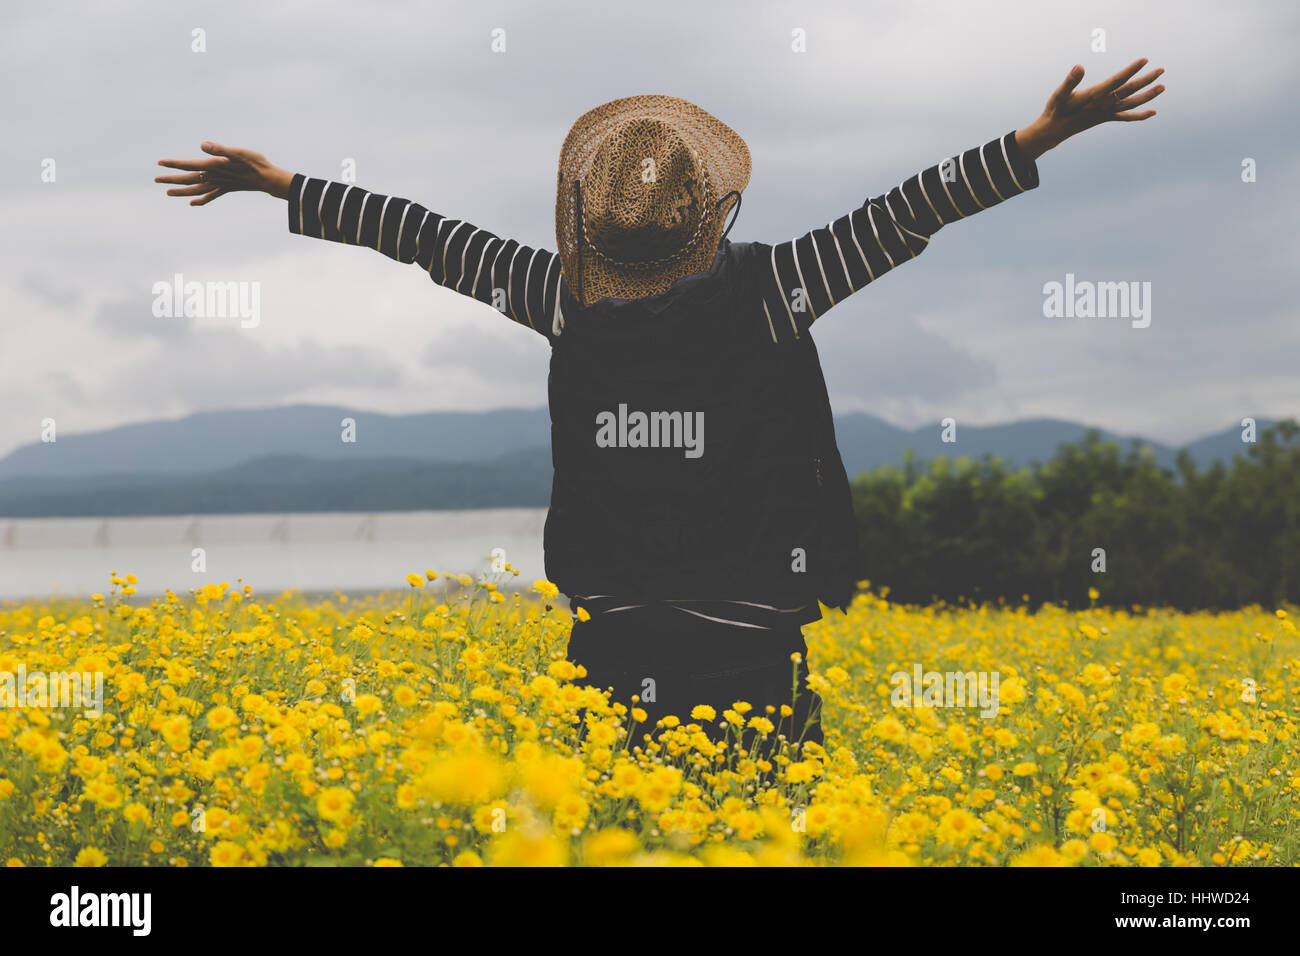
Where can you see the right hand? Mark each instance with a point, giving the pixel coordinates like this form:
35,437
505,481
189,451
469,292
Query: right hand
1068,112
231,169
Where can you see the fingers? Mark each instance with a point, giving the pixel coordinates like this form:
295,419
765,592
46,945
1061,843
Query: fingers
1133,117
1135,85
230,153
1072,79
194,163
1118,79
214,194
206,179
187,179
1141,98
196,190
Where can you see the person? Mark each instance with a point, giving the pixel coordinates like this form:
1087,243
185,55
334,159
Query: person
700,513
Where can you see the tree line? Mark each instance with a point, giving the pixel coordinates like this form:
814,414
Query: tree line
1091,517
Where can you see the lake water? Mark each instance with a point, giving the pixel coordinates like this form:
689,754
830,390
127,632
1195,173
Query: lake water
42,557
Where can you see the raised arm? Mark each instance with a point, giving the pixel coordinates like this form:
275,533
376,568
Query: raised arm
802,279
518,280
521,282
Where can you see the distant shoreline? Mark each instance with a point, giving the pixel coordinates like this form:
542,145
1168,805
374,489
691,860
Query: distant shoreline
50,558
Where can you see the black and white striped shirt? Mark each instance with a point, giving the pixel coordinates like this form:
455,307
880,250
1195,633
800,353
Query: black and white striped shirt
809,274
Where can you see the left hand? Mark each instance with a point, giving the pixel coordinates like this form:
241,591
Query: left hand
1069,112
231,169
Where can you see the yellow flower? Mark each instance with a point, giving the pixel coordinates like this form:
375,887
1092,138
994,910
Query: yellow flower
609,846
762,725
219,718
176,731
466,778
1149,857
1102,842
889,728
910,826
571,813
334,803
517,848
958,826
1174,685
562,670
1044,854
657,789
1095,674
799,772
90,856
545,588
1074,850
226,853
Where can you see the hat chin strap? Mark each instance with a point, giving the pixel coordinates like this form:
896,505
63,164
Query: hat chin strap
557,318
577,203
735,212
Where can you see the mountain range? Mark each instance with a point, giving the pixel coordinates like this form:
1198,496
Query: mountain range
294,458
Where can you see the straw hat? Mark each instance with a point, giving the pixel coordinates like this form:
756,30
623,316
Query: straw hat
644,187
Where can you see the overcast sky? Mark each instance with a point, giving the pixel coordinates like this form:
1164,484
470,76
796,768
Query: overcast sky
414,95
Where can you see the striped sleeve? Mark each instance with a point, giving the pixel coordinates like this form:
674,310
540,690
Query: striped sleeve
802,279
521,282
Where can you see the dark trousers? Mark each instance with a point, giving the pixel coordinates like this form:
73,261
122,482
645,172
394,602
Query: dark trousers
681,660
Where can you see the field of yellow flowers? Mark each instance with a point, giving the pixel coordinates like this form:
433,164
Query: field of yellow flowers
439,724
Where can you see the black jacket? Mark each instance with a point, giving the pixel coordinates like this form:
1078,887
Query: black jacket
695,458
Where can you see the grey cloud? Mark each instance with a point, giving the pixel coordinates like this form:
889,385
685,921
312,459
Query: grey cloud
224,368
876,358
129,318
505,356
58,292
